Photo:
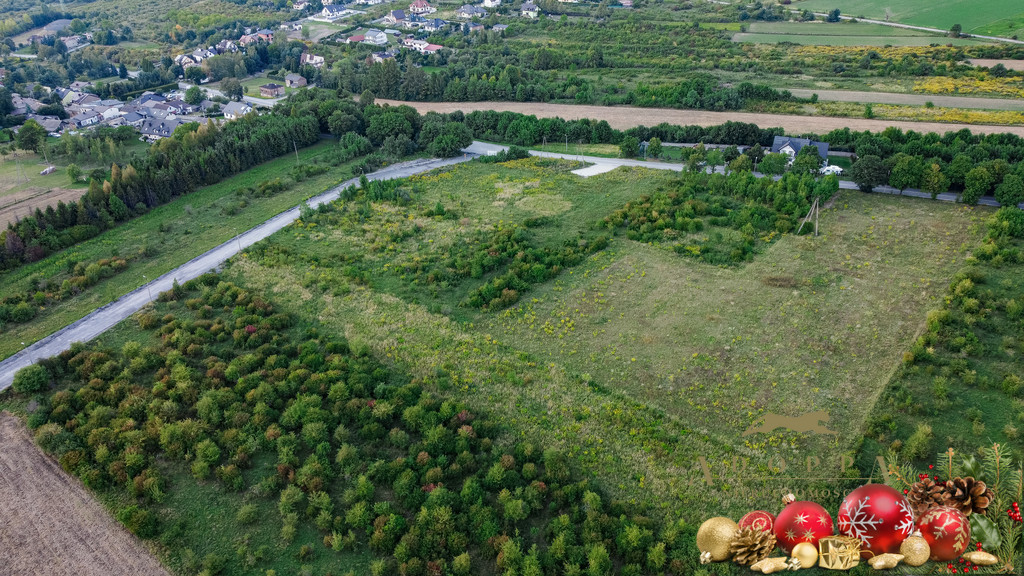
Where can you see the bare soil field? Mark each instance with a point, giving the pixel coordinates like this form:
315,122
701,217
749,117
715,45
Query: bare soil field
23,202
623,117
50,525
987,63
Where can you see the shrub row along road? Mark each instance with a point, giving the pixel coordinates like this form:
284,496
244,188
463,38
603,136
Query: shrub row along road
101,319
625,117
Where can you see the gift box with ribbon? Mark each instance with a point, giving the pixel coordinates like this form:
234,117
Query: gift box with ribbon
838,552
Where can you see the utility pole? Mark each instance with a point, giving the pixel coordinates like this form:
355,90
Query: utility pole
295,146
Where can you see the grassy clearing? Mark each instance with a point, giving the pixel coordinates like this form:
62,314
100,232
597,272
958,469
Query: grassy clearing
639,361
176,232
842,34
942,15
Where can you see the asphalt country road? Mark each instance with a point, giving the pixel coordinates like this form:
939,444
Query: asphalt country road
105,317
102,319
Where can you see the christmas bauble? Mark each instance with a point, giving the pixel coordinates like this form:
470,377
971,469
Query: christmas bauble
801,522
915,550
714,537
758,520
806,553
947,532
879,516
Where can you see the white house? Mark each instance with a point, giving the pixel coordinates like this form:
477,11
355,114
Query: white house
529,10
311,60
421,7
375,37
235,110
792,146
492,3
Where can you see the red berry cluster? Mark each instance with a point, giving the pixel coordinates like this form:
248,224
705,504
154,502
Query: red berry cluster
1014,513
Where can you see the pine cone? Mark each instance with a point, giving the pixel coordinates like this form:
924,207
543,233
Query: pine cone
967,495
925,494
750,546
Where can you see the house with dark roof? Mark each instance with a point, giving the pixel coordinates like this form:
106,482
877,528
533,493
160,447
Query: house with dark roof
155,129
271,90
467,12
529,10
395,17
792,146
434,24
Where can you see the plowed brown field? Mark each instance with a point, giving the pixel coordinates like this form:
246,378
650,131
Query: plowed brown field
49,523
623,117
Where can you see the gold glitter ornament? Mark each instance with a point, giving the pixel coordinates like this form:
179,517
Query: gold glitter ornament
806,553
714,539
981,558
915,550
771,565
885,561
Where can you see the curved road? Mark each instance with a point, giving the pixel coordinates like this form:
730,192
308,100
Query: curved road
105,317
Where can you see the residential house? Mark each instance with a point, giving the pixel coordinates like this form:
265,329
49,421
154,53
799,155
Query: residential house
355,39
133,119
86,119
51,124
381,57
414,21
225,46
313,60
467,12
79,86
333,11
265,35
492,3
529,10
155,129
294,81
300,5
248,39
235,110
375,37
626,3
421,7
433,25
271,90
422,46
20,106
792,146
500,27
395,17
476,27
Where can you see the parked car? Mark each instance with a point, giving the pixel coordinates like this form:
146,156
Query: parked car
832,169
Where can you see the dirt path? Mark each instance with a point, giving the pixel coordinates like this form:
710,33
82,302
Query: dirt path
911,99
50,525
987,63
622,117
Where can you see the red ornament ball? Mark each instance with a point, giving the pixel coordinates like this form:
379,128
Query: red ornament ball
879,516
758,520
947,531
801,522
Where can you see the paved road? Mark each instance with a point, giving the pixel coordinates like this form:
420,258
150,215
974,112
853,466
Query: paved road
107,316
608,164
910,99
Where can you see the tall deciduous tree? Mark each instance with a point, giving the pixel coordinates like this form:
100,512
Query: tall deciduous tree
869,172
31,136
1011,191
977,183
934,181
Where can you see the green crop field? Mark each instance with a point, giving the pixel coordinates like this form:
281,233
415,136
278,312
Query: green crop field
638,360
842,34
174,233
1006,16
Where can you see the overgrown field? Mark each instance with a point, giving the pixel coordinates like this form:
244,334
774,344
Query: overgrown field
155,243
643,356
975,17
479,340
842,34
